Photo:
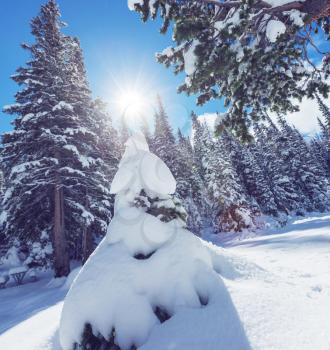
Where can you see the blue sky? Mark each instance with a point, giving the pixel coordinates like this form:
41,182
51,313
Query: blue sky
119,53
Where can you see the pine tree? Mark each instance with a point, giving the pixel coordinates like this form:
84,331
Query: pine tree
307,175
175,154
277,179
319,152
231,208
325,111
228,49
250,175
56,194
189,185
325,131
202,144
108,140
164,143
2,235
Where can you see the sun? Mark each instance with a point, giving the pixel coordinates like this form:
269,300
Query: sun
131,103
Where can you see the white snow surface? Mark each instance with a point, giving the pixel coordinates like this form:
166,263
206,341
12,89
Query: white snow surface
282,304
131,3
18,269
178,273
169,279
190,58
275,3
274,29
141,169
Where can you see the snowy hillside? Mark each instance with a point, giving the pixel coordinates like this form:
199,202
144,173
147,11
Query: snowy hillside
281,298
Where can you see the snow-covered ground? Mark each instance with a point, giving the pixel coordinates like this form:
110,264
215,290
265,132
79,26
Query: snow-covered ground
282,299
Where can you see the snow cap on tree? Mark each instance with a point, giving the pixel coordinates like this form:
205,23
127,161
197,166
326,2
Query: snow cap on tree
148,263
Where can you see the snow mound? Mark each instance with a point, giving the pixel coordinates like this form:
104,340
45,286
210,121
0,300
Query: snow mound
148,269
115,282
70,279
140,169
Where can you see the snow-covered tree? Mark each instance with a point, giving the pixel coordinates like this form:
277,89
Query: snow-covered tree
255,54
190,186
164,143
231,208
56,193
305,171
325,132
320,154
250,175
202,145
278,180
146,270
108,137
145,129
179,158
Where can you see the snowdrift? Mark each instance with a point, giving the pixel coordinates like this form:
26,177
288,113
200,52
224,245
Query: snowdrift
150,283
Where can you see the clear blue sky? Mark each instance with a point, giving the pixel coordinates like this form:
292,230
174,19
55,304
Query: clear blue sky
119,51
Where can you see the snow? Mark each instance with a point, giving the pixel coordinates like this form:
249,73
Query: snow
275,3
297,17
190,59
169,51
72,276
131,3
282,304
11,259
85,161
274,29
3,278
62,105
141,169
143,264
18,269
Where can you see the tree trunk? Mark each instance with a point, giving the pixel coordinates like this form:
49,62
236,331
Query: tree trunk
87,241
61,257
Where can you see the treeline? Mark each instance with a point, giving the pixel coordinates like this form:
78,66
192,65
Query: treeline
230,186
63,152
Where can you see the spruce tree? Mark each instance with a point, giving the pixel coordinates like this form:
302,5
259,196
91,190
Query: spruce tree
250,175
56,194
306,173
108,140
164,143
319,152
325,131
277,179
250,53
175,154
189,185
231,208
202,145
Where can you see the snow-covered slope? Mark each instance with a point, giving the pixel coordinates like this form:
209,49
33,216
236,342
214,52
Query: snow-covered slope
281,295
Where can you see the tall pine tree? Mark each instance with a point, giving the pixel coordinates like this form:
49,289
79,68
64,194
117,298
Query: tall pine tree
56,193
